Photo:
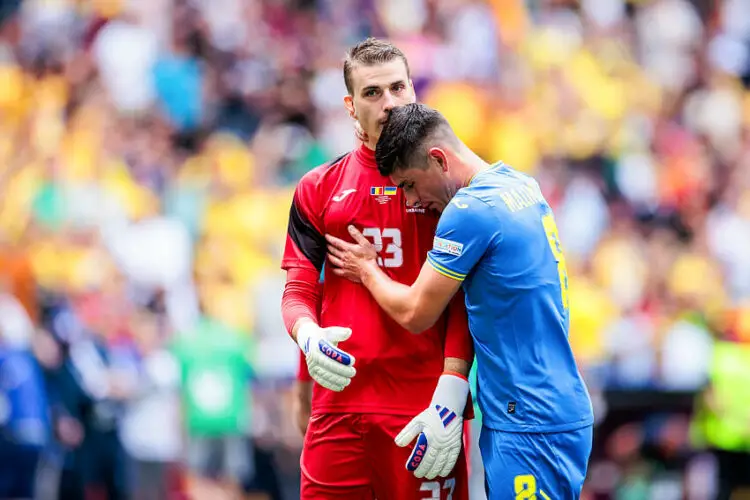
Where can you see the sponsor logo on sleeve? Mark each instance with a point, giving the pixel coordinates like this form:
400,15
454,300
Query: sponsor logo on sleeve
447,246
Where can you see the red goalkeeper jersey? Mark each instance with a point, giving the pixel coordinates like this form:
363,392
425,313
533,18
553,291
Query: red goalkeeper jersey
396,370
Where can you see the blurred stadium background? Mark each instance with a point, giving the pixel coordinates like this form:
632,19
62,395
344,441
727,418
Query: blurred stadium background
148,153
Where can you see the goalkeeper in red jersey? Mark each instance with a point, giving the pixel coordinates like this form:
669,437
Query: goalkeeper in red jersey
372,377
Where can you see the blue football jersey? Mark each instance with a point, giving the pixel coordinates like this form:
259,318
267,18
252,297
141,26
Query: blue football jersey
498,236
23,399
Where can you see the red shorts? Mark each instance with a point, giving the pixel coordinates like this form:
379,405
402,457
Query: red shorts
353,456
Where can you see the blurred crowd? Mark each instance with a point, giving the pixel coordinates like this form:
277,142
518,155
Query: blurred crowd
149,151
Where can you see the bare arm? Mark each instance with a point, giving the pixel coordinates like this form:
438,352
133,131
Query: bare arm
457,365
416,307
302,404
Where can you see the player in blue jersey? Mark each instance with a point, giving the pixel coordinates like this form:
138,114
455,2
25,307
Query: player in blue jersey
497,238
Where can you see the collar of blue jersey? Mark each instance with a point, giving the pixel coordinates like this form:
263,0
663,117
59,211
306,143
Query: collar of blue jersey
491,167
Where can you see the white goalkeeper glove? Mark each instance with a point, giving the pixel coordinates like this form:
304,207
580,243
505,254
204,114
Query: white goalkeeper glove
438,429
328,365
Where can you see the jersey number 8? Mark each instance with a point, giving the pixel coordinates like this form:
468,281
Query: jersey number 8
550,228
393,255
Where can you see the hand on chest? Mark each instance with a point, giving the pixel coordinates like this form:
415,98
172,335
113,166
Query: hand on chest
378,211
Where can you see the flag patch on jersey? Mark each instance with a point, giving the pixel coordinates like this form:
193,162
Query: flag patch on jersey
383,191
447,246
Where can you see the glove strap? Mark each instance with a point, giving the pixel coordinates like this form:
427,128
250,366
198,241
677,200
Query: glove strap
451,392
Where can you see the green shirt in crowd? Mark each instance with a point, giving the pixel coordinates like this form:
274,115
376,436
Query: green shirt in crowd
215,370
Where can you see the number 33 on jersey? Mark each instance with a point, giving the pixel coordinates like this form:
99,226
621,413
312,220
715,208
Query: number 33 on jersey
388,244
379,211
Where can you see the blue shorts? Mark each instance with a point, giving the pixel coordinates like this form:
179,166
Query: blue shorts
549,466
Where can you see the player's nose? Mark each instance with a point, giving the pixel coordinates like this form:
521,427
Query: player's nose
412,201
388,101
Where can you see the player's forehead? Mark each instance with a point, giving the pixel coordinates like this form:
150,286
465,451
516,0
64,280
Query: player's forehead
398,178
406,175
379,75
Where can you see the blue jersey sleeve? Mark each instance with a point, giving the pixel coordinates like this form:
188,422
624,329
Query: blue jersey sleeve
466,229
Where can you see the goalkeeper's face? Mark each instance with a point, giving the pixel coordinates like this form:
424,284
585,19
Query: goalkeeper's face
376,90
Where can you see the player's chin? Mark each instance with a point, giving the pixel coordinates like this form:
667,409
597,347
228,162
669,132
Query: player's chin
374,133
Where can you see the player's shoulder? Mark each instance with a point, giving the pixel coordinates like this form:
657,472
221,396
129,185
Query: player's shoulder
472,197
494,185
321,174
505,176
467,208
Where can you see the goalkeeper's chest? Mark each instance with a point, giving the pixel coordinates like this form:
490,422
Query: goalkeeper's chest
371,205
380,213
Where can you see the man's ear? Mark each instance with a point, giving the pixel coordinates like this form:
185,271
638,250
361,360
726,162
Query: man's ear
349,105
440,157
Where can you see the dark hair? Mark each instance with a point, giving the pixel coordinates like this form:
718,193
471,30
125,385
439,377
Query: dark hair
370,52
401,143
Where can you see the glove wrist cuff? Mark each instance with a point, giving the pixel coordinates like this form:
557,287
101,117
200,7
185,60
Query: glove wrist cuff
452,391
304,333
